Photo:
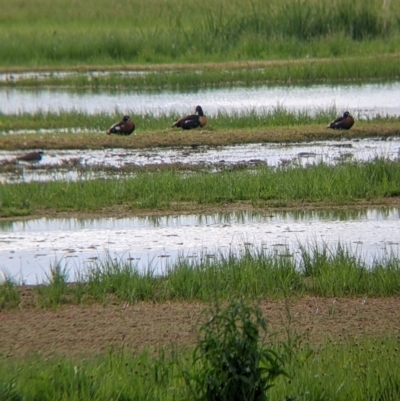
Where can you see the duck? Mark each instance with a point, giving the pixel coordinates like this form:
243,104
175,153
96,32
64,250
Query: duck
124,127
344,122
31,157
192,120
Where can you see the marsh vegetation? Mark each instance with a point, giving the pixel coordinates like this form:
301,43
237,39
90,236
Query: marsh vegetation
156,44
156,31
317,270
243,121
345,184
328,40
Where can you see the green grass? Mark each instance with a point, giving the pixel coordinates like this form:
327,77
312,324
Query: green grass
9,295
116,376
197,76
319,270
347,183
36,34
359,370
277,116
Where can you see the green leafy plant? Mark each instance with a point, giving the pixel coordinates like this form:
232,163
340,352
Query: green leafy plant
234,365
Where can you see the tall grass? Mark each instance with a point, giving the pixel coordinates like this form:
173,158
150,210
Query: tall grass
9,295
362,369
345,183
359,370
148,121
319,270
52,293
119,375
164,32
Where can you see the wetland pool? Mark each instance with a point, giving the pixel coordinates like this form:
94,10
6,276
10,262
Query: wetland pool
63,164
29,248
362,100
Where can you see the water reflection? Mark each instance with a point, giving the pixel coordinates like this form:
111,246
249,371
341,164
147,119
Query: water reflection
362,100
28,248
199,220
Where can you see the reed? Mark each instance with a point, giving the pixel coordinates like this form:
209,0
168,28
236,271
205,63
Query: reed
161,32
346,183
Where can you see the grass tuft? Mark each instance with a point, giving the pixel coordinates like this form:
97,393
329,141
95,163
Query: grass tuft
9,294
53,293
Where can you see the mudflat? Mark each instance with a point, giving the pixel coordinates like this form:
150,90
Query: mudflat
87,330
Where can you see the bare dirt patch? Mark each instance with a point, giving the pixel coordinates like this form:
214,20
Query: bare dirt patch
83,331
204,137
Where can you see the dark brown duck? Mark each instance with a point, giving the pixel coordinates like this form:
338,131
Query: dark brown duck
344,122
31,157
192,120
124,127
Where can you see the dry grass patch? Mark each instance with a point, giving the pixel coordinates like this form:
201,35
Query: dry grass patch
208,136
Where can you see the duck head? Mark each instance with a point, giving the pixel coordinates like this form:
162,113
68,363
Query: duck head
199,111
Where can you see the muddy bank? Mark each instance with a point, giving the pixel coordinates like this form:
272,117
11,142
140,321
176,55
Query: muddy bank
83,331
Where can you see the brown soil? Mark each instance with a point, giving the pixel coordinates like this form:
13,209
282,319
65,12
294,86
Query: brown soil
83,331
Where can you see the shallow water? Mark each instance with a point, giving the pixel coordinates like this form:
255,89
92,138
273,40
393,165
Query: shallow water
13,77
362,100
273,155
28,248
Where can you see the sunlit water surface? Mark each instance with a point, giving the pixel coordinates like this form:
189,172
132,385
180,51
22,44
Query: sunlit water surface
28,248
362,100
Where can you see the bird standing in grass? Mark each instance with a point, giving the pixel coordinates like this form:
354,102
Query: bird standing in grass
124,127
344,122
192,121
31,157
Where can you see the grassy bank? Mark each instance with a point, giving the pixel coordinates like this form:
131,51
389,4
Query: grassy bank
76,130
156,32
319,270
347,183
148,121
357,370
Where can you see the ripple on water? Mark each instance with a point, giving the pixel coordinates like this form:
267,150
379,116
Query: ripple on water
29,248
